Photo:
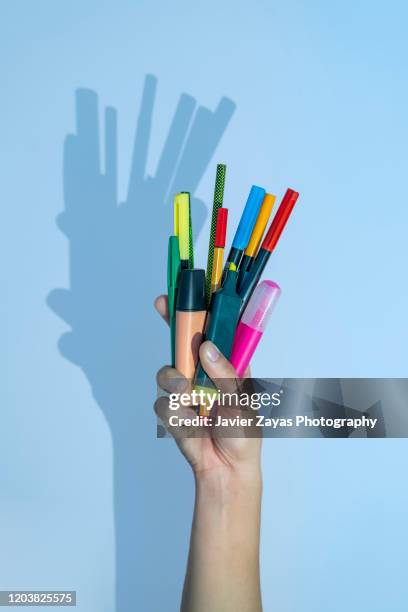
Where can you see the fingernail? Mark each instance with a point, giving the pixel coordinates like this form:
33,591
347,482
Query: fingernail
212,352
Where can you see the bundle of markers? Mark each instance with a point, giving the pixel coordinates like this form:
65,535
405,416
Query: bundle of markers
227,304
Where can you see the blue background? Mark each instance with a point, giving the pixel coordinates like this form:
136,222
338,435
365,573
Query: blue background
321,94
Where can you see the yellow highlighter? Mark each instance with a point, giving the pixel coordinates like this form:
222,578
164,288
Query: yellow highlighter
256,236
182,226
219,244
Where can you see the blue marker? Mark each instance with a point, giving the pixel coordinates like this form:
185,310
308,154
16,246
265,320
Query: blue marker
245,227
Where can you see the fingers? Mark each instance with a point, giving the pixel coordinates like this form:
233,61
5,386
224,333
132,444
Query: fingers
170,380
162,307
218,368
177,418
178,422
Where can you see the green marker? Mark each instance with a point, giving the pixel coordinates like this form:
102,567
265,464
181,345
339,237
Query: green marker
173,270
222,321
190,234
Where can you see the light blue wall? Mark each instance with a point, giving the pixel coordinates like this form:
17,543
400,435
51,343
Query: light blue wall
321,95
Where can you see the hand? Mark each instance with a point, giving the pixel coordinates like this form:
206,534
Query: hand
208,455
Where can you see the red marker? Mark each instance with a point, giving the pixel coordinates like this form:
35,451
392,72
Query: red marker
219,244
270,241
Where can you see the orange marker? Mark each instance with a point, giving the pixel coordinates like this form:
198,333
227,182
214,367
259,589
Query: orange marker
190,318
256,236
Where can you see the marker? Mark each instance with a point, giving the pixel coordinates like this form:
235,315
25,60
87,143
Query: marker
245,227
190,319
190,231
176,215
270,241
183,227
256,236
253,323
219,244
220,327
173,270
217,203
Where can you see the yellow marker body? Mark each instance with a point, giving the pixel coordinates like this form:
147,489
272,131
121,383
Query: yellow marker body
183,206
260,225
217,269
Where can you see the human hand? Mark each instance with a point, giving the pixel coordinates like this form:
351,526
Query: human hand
209,454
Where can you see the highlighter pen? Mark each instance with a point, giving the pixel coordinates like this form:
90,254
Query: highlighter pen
190,319
176,215
256,237
190,232
219,244
245,227
173,270
253,323
183,206
220,327
270,241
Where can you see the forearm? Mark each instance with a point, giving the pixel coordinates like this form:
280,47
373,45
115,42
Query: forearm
223,566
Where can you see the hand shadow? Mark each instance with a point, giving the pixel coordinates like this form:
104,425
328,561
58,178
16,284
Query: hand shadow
117,259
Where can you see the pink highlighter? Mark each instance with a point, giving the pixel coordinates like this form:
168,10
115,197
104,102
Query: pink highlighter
253,323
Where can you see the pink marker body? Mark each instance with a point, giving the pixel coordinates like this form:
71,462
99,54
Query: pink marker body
253,323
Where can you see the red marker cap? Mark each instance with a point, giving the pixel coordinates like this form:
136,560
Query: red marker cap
280,219
221,228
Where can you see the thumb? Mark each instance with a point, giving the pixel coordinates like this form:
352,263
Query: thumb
217,367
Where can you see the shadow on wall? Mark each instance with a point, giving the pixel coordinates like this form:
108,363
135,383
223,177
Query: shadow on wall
117,267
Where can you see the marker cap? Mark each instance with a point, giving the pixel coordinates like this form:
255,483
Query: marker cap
248,219
191,290
221,228
260,307
280,219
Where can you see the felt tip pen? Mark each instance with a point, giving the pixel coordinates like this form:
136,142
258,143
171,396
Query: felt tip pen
252,325
245,227
176,216
220,326
173,270
219,244
190,318
217,203
269,243
186,194
183,227
256,236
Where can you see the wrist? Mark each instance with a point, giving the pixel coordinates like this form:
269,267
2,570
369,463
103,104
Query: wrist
229,484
